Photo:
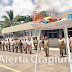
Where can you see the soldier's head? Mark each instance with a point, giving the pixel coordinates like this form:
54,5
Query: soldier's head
8,39
25,39
60,36
20,40
29,39
36,38
69,36
12,39
46,37
33,38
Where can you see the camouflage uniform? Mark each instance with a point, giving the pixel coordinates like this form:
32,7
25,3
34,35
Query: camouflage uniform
36,44
61,45
9,45
16,45
20,46
46,47
40,44
12,44
29,46
6,44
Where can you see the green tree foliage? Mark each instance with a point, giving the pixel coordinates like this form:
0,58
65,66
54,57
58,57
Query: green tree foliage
8,19
44,13
23,18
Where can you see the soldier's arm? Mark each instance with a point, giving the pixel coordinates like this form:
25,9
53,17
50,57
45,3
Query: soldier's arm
58,44
48,43
70,43
31,45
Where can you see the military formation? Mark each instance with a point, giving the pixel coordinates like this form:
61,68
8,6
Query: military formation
16,45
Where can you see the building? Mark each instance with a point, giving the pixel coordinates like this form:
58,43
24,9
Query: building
31,30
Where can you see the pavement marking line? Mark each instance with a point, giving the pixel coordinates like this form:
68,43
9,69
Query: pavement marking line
9,68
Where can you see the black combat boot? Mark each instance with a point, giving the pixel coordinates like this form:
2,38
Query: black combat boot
26,52
46,55
13,50
62,54
30,52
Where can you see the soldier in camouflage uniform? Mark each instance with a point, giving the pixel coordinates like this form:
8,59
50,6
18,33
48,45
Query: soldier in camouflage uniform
29,45
36,43
9,45
12,44
61,45
20,45
6,44
46,46
16,45
25,45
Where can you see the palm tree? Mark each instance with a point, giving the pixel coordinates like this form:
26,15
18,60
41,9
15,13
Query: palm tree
9,18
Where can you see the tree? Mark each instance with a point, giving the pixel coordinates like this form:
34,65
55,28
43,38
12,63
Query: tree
44,13
9,18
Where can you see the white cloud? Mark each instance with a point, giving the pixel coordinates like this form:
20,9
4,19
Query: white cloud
5,1
22,7
1,11
26,7
58,5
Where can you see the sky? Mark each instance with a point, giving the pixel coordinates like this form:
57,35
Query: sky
26,7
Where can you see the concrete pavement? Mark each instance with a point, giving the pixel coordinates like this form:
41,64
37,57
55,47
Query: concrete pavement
29,66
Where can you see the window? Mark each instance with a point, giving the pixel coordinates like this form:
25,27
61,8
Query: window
54,30
33,33
37,32
26,33
7,35
50,30
11,35
20,34
29,33
55,35
50,35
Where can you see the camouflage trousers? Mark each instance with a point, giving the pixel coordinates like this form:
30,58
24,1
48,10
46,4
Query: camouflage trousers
3,48
20,48
13,48
46,48
36,46
61,49
6,48
16,49
9,48
24,47
0,47
71,48
29,48
40,46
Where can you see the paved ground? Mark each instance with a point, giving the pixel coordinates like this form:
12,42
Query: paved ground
29,67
